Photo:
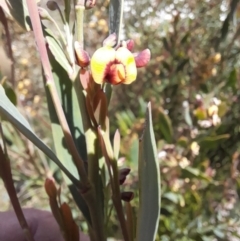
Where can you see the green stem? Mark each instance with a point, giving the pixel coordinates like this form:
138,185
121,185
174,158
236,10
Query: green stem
79,24
97,224
94,205
67,9
116,194
118,203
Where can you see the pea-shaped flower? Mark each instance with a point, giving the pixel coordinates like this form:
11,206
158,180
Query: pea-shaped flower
113,66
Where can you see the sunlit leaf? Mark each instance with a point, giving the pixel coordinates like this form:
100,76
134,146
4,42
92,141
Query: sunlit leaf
149,183
18,10
73,115
58,53
11,113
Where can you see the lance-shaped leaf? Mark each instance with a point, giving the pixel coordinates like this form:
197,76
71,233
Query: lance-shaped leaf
165,126
115,17
18,10
11,113
58,53
71,109
149,183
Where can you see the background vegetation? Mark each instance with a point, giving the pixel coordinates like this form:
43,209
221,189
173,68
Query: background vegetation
193,84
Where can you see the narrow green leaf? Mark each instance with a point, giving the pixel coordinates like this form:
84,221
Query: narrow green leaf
225,28
149,184
173,197
10,93
11,113
100,108
190,172
18,10
185,38
229,18
70,106
232,80
211,142
165,126
116,144
58,53
115,17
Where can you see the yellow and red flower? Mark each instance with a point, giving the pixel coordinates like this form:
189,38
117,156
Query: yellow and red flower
117,66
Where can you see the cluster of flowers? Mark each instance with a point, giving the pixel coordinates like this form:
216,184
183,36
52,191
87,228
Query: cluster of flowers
114,65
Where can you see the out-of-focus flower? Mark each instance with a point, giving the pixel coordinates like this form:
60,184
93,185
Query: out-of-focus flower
205,123
90,4
118,65
162,154
216,120
217,58
184,162
195,148
212,110
216,101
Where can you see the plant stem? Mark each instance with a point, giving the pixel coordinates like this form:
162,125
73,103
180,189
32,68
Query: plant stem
67,9
118,203
36,24
94,202
79,23
116,195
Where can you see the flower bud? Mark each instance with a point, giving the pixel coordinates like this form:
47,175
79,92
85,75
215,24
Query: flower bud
127,196
110,41
82,56
130,44
43,13
123,174
50,188
90,4
52,5
142,58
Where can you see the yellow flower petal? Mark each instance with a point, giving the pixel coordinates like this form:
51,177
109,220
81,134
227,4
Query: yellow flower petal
124,56
99,62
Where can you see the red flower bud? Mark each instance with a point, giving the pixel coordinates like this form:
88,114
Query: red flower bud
82,56
50,188
142,58
130,44
127,196
123,174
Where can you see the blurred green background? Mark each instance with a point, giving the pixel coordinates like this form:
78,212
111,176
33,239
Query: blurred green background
192,81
